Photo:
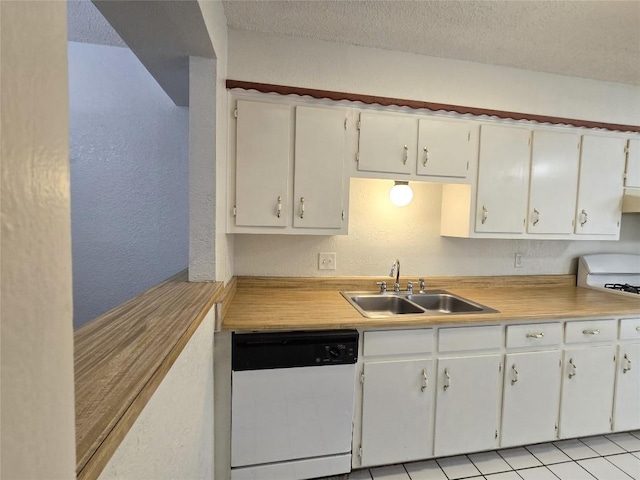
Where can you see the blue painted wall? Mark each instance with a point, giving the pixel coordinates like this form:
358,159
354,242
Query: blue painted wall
129,179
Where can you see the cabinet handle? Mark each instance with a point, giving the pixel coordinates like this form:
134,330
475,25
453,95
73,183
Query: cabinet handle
426,157
638,328
447,380
514,370
536,217
535,335
485,214
425,380
627,366
279,208
583,218
405,155
301,207
591,332
573,368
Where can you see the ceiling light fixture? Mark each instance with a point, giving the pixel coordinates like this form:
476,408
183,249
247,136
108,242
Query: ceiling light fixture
401,194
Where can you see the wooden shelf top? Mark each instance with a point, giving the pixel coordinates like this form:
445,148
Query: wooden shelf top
122,356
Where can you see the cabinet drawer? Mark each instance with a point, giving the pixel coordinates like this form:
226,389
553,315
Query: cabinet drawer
470,338
397,342
533,335
591,331
630,329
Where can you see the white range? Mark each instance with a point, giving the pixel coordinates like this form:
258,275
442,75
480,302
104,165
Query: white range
617,273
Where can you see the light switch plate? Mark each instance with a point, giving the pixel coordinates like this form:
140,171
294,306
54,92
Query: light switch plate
327,261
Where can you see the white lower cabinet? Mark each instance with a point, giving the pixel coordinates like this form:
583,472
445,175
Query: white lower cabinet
396,411
468,404
587,391
627,402
494,386
531,398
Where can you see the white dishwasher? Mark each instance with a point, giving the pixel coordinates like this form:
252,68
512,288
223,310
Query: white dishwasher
292,404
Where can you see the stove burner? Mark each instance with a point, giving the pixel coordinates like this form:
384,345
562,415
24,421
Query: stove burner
623,287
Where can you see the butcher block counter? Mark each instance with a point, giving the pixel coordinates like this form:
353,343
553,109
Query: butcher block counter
288,303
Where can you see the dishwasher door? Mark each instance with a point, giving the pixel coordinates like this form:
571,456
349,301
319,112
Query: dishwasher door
289,414
292,402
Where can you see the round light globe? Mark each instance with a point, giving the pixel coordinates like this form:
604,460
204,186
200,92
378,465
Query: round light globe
401,194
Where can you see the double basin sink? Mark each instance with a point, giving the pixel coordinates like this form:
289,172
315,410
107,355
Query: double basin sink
430,302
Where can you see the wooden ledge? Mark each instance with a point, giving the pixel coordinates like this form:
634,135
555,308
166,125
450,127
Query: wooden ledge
417,104
122,356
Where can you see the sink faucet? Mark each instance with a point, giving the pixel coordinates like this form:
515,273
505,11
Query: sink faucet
395,270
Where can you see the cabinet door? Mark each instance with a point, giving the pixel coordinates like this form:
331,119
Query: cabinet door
587,391
633,164
444,148
388,143
503,178
468,402
531,398
600,188
396,411
554,182
319,159
627,405
263,145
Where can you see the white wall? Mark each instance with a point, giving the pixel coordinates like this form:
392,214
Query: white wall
37,438
129,179
172,438
379,232
331,66
216,22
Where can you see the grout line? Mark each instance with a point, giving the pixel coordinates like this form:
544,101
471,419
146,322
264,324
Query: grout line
616,465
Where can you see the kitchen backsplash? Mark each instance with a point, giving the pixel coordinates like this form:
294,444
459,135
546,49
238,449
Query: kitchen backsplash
380,232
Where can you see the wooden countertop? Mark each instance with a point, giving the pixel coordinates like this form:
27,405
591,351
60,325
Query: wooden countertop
122,356
271,303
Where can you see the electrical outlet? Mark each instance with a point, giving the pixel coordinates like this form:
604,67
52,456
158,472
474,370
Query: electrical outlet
327,261
518,260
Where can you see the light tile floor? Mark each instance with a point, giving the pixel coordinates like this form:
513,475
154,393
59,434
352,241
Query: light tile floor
610,457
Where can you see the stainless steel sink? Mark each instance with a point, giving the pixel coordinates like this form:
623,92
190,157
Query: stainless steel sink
445,303
432,302
385,304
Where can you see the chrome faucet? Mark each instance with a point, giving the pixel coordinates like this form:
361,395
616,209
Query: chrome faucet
395,270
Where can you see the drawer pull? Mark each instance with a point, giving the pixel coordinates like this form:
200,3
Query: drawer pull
591,332
627,365
573,368
447,380
425,380
535,335
638,328
514,370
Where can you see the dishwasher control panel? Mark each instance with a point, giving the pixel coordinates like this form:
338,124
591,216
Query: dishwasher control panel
258,351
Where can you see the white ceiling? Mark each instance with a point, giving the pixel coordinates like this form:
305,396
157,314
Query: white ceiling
591,39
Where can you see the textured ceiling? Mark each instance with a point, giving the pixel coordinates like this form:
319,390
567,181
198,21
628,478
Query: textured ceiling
591,39
85,24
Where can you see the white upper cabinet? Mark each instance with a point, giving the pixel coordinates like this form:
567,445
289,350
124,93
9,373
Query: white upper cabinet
263,164
554,182
503,178
319,160
632,179
445,148
600,187
387,143
289,169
